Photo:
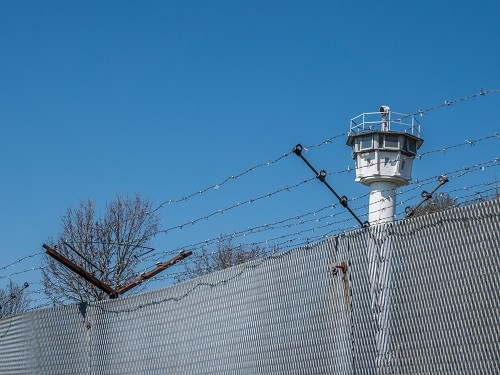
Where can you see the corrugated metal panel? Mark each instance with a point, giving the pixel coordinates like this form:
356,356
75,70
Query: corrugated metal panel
446,301
16,349
268,316
61,340
419,296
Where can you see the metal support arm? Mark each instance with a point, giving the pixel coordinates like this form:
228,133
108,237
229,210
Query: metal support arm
321,175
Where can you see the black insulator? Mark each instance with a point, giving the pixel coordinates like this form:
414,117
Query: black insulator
443,179
343,201
426,195
321,175
298,149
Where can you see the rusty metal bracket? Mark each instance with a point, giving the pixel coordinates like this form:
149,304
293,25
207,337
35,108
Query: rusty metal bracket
80,271
340,266
159,268
113,293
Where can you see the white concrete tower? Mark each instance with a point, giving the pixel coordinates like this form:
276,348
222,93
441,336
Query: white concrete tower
384,145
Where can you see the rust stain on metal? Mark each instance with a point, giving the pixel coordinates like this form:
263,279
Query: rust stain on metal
347,293
342,266
347,297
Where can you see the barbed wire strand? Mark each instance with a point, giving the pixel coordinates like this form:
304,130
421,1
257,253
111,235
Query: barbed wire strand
269,227
220,184
21,259
329,140
306,244
268,195
239,204
418,184
309,241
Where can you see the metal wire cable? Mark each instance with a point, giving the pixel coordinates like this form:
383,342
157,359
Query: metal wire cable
239,204
329,140
417,184
297,240
21,272
21,259
466,143
207,285
220,184
276,225
216,186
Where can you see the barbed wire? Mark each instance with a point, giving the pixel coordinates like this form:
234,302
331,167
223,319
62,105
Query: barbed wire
330,224
449,103
21,259
292,237
288,188
204,283
296,242
462,171
295,239
50,303
220,184
239,204
325,142
36,291
282,223
21,272
329,140
459,173
466,143
417,184
481,195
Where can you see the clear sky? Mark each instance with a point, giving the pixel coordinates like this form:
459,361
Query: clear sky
166,98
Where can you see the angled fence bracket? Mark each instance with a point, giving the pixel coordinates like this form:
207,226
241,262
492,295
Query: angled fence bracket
159,268
426,196
113,293
80,271
321,175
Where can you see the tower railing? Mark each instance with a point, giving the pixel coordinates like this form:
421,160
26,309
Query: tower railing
392,121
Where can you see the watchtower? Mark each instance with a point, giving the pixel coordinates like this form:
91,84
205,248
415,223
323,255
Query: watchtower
384,145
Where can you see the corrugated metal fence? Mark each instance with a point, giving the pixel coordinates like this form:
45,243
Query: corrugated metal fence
419,296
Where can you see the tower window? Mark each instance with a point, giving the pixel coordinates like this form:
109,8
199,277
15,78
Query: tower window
391,141
412,146
366,142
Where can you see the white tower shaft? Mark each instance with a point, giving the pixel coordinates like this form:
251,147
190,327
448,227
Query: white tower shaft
382,208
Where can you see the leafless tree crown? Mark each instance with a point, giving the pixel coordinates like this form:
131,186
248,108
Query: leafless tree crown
108,246
224,255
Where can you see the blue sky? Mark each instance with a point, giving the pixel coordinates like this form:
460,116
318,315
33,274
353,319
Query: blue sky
167,98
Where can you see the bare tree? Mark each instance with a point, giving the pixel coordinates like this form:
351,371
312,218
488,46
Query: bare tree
13,299
438,203
223,256
107,246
